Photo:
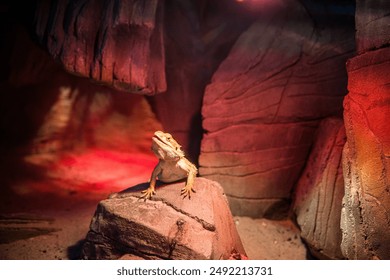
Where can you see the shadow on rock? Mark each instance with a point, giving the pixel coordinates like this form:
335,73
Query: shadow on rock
74,251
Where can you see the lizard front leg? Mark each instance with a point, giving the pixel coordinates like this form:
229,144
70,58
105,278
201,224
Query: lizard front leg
187,190
149,192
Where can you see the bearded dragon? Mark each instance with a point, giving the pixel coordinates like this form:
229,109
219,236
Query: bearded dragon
172,165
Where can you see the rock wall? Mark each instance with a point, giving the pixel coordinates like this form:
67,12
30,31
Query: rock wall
138,46
47,110
366,205
263,105
319,192
194,49
372,24
119,43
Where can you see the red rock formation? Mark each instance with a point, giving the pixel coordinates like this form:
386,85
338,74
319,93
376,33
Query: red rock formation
119,43
194,49
366,211
125,48
372,24
366,205
166,227
262,107
66,131
57,111
320,190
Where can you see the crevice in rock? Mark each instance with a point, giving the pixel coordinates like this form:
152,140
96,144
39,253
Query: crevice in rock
177,236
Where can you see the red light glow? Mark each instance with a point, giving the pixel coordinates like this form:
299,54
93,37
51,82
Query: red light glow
96,172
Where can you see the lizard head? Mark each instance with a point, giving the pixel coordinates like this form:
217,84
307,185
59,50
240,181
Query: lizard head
165,147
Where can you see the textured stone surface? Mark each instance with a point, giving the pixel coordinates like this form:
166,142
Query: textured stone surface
194,49
366,204
319,192
167,227
58,111
372,24
119,43
263,104
88,116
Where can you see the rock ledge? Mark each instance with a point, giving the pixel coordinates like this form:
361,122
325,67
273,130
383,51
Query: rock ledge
166,227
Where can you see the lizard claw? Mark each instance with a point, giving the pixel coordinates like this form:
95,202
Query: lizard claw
186,191
148,193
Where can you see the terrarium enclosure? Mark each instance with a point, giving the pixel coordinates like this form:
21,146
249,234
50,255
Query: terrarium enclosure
282,105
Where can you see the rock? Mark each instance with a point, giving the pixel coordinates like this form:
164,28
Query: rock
194,49
263,105
372,24
319,192
167,227
366,205
59,111
119,43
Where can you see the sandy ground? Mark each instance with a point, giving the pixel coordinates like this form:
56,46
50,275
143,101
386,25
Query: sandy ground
270,240
58,233
41,217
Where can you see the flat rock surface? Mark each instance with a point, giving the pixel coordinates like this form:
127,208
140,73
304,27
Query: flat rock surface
166,227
